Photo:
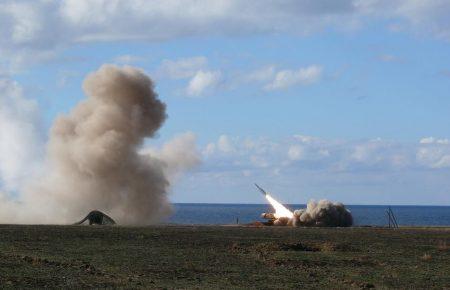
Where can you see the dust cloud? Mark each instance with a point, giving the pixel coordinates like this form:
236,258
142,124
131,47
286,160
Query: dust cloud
96,160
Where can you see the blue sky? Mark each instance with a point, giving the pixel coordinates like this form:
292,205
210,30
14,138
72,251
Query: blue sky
344,100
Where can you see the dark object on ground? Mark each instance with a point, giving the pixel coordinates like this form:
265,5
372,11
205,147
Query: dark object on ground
96,217
223,257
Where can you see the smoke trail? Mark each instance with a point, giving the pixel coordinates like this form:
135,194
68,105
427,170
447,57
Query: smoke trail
93,159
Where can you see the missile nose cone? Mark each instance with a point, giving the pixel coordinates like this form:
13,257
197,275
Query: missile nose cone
263,192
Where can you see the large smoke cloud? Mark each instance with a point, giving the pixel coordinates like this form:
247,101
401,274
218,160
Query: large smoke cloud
324,213
94,157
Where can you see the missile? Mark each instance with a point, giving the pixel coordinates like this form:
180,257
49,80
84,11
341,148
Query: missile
260,189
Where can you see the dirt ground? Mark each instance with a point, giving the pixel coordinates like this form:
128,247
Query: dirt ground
224,257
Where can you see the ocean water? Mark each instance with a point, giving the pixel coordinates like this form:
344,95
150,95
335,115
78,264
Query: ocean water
373,215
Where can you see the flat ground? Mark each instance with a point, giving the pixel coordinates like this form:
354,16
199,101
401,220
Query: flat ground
223,257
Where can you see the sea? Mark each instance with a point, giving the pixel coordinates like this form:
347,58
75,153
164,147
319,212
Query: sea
363,215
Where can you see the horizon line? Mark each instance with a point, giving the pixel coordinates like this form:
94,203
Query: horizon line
245,203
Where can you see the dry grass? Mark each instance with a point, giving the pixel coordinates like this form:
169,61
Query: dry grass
426,257
215,257
443,246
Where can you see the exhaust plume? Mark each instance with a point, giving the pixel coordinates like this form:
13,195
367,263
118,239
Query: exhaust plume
95,160
320,214
280,210
323,214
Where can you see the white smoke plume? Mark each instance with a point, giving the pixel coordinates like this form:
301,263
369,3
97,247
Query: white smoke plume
94,159
178,155
317,214
323,214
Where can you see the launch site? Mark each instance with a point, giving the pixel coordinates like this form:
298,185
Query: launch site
197,144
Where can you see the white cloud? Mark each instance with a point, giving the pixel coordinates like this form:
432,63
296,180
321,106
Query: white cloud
305,138
301,167
224,144
313,153
259,161
209,149
33,30
64,77
432,140
127,59
202,82
426,140
183,67
434,153
27,22
180,154
274,79
434,157
303,76
296,152
201,79
425,16
247,173
263,74
389,58
21,141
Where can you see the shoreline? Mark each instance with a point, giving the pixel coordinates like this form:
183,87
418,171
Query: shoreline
445,227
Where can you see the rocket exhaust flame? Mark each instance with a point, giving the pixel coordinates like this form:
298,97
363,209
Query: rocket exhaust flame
280,210
321,214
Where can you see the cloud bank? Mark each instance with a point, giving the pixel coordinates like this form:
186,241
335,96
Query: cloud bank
332,154
375,171
43,26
